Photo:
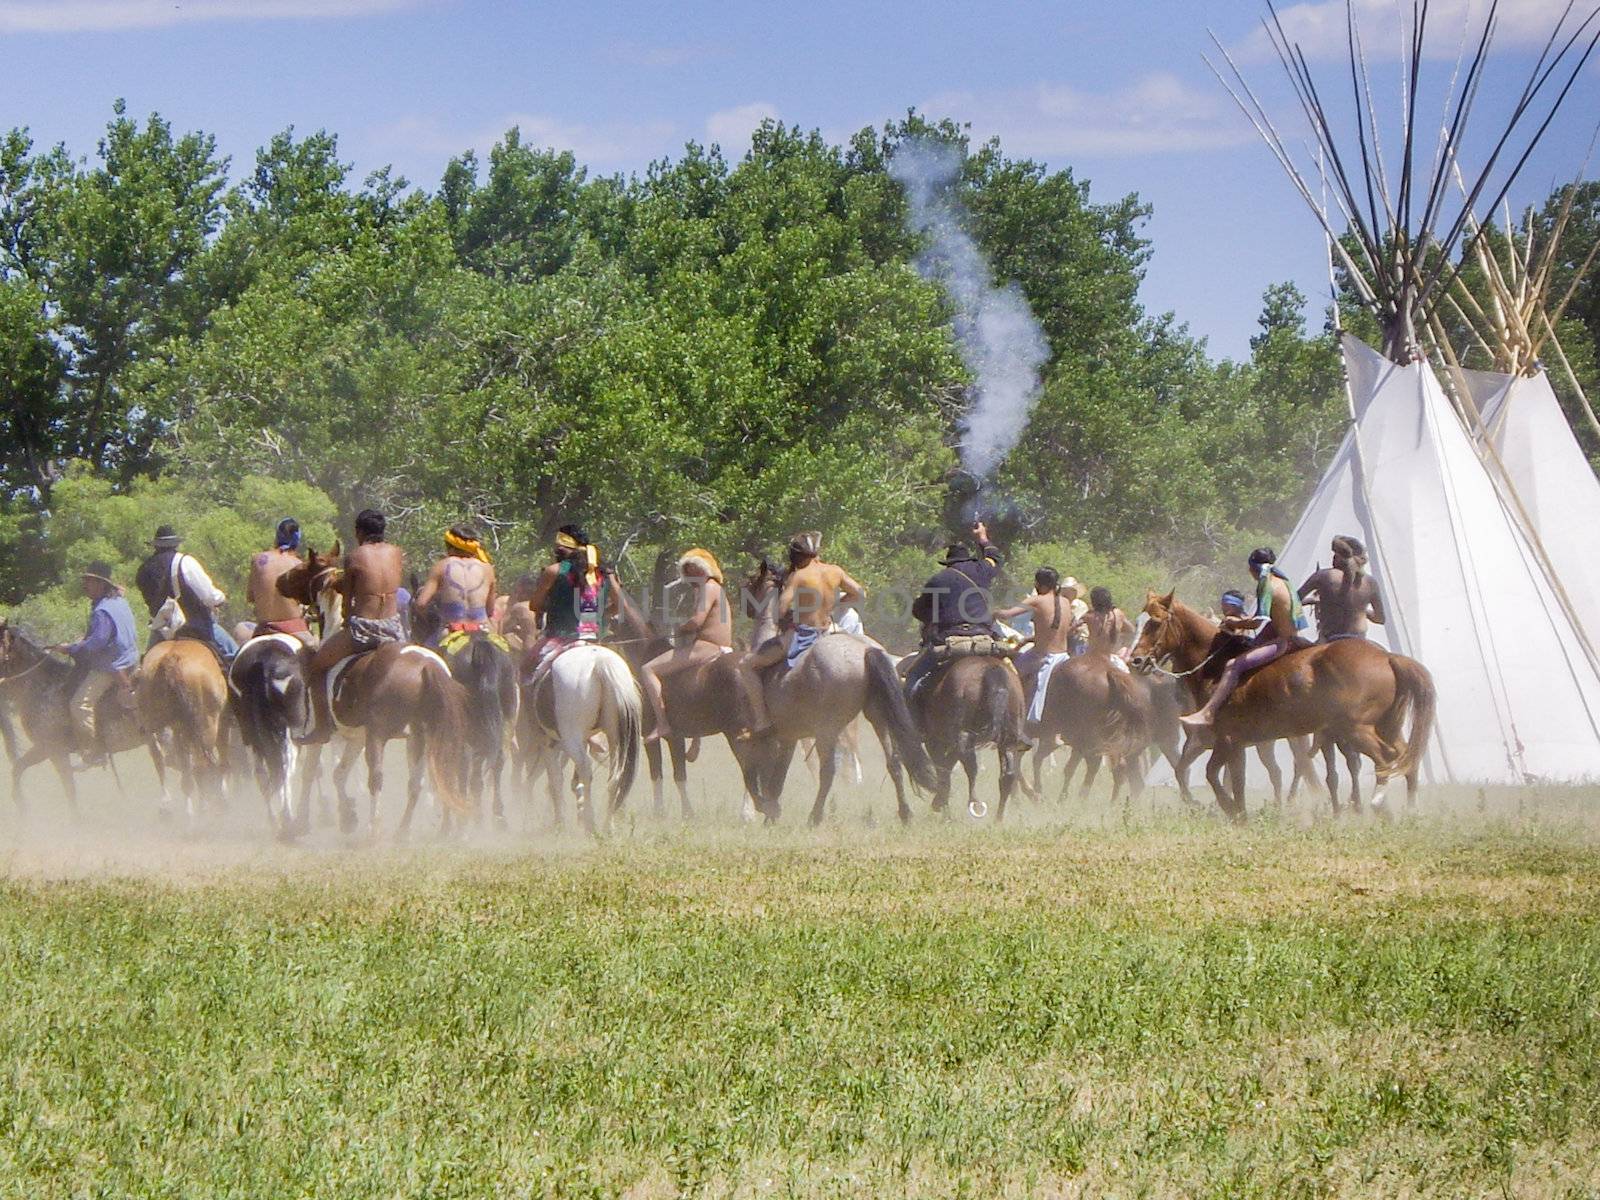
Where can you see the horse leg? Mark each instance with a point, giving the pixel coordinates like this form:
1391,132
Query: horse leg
652,757
373,752
1073,760
1236,773
1330,769
1268,754
310,765
827,760
968,758
34,755
896,768
1043,749
158,757
1010,777
416,766
677,753
1094,761
341,777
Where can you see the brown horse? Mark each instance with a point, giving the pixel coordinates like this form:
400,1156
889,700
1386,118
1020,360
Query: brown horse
396,690
1099,711
970,703
1352,692
840,677
176,703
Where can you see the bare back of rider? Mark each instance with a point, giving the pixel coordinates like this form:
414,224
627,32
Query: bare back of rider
1051,613
1109,633
274,612
373,572
811,594
461,591
1346,603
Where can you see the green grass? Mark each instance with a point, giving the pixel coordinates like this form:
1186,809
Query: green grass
1150,1006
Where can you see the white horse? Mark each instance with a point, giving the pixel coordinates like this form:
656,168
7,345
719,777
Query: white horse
587,689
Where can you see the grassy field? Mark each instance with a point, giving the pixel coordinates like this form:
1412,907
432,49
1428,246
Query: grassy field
1086,1002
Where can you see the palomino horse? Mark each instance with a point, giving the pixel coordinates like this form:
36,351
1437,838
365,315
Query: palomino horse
970,703
396,690
704,700
1351,691
182,692
483,665
1102,712
585,689
841,676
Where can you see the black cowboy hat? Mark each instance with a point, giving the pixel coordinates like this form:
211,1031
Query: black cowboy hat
165,538
958,552
101,570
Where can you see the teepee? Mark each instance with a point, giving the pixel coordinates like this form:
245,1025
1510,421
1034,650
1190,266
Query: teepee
1422,477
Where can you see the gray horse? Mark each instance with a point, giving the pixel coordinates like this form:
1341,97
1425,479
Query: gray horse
840,677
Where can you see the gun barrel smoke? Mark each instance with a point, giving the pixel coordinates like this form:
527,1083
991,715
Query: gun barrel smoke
999,339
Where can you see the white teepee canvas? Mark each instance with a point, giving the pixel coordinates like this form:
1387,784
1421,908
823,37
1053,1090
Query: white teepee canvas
1552,478
1519,699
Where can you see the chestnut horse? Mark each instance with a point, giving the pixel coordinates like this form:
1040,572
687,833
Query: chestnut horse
970,703
1351,691
396,690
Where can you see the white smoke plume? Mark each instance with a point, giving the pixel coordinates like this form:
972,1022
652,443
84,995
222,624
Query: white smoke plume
1000,341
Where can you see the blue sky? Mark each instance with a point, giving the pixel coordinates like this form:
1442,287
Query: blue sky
1117,92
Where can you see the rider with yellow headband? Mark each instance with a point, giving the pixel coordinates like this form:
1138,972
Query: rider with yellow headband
576,595
461,586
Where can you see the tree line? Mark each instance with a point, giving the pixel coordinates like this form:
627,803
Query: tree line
712,352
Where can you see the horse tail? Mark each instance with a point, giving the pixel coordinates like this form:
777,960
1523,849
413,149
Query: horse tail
994,701
1127,711
447,718
883,688
1414,692
200,722
626,708
489,672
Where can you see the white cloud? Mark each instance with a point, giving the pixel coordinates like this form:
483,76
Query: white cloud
602,146
731,128
1157,114
83,16
1318,26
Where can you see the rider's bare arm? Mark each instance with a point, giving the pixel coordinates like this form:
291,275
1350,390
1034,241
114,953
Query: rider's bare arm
1375,612
430,586
852,591
541,588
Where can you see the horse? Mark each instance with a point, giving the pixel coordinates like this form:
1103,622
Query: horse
705,700
970,703
273,709
840,677
1351,692
395,690
483,665
586,688
182,692
1100,711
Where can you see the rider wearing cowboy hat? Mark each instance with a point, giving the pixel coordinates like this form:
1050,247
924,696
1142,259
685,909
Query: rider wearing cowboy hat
108,650
956,601
170,577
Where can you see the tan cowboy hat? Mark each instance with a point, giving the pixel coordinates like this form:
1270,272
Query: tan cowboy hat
101,570
1073,584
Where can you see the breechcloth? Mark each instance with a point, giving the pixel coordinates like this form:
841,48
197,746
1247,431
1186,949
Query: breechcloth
368,633
1036,709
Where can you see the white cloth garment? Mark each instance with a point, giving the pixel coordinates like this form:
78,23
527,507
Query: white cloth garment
1036,709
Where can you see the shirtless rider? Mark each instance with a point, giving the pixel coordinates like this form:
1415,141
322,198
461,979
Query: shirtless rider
372,574
1345,596
461,586
275,612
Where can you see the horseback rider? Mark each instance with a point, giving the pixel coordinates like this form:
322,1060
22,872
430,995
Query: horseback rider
461,586
370,586
704,637
812,590
103,658
520,626
575,594
1051,610
1345,596
1276,601
173,584
956,601
1106,627
275,612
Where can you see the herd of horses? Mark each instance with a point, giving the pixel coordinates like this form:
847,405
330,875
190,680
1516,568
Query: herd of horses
468,718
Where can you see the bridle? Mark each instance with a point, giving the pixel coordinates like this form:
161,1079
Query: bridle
1159,661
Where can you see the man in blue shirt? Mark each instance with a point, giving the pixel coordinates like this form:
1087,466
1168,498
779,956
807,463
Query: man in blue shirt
108,650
